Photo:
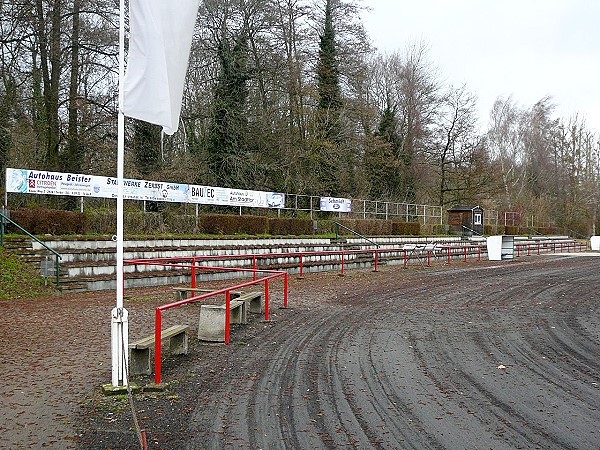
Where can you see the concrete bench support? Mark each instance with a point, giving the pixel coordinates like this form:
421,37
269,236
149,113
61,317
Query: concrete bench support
253,301
211,325
141,352
181,293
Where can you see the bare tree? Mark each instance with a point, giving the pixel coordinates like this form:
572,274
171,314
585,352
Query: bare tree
456,140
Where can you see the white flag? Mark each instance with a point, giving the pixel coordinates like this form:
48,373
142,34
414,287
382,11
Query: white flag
160,38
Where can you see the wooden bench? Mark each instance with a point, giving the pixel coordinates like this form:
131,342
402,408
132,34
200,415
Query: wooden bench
181,292
211,325
253,301
140,352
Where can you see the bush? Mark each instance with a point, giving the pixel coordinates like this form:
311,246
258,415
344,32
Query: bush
181,224
492,230
134,222
440,229
406,228
232,224
367,227
48,221
511,230
286,226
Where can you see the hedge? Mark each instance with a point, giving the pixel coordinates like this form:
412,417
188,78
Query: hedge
48,221
58,222
232,224
285,227
406,228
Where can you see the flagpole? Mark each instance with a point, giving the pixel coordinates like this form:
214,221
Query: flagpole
119,319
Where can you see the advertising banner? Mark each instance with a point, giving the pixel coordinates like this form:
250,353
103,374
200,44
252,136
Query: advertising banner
335,204
55,183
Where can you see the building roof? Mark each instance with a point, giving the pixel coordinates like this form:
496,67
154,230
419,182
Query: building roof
463,208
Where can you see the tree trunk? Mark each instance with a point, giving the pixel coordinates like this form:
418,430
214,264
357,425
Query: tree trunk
73,160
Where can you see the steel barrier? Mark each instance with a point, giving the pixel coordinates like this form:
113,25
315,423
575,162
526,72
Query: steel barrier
227,291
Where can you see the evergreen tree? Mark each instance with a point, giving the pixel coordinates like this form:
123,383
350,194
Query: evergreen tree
147,153
380,160
328,80
226,140
326,164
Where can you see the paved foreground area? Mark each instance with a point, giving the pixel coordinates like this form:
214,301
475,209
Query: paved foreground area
473,355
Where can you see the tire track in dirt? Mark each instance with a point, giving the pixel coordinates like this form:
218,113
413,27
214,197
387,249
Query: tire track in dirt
501,357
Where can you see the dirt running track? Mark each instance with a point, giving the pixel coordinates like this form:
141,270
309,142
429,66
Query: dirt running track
472,355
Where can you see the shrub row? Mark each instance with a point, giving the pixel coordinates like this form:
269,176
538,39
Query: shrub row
368,227
48,221
284,226
57,222
379,227
406,228
513,230
232,224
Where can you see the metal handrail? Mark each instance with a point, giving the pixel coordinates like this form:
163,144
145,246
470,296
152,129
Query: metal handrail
536,232
577,235
337,232
472,231
56,254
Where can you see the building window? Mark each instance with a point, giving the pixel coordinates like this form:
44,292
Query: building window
477,219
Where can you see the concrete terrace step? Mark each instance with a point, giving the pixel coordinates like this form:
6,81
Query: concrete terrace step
273,261
89,263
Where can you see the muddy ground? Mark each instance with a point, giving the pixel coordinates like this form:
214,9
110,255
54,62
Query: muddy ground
473,355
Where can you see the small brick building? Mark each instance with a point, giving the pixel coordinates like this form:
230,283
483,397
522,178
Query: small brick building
465,220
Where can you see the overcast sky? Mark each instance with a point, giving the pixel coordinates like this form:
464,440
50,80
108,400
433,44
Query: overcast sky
526,49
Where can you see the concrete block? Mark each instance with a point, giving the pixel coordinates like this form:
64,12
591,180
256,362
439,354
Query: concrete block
211,325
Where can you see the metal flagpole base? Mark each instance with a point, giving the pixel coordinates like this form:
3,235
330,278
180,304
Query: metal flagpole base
119,328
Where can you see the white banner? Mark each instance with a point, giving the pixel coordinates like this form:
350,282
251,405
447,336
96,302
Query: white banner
55,183
160,38
335,204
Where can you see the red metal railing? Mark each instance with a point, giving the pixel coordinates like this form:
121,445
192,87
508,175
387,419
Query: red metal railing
407,253
227,292
550,246
345,257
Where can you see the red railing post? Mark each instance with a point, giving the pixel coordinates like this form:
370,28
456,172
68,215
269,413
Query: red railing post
448,255
404,258
157,337
376,258
193,281
428,258
254,267
267,299
538,245
227,315
465,250
528,249
285,290
479,252
342,262
301,267
518,250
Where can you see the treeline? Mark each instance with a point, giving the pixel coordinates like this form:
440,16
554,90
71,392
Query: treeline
288,95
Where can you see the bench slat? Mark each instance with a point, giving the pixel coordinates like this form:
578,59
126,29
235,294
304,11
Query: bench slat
148,341
249,296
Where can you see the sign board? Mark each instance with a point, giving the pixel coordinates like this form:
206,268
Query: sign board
55,183
335,204
48,267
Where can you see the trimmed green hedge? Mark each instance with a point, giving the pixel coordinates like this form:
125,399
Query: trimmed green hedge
232,224
406,228
58,222
284,227
48,221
